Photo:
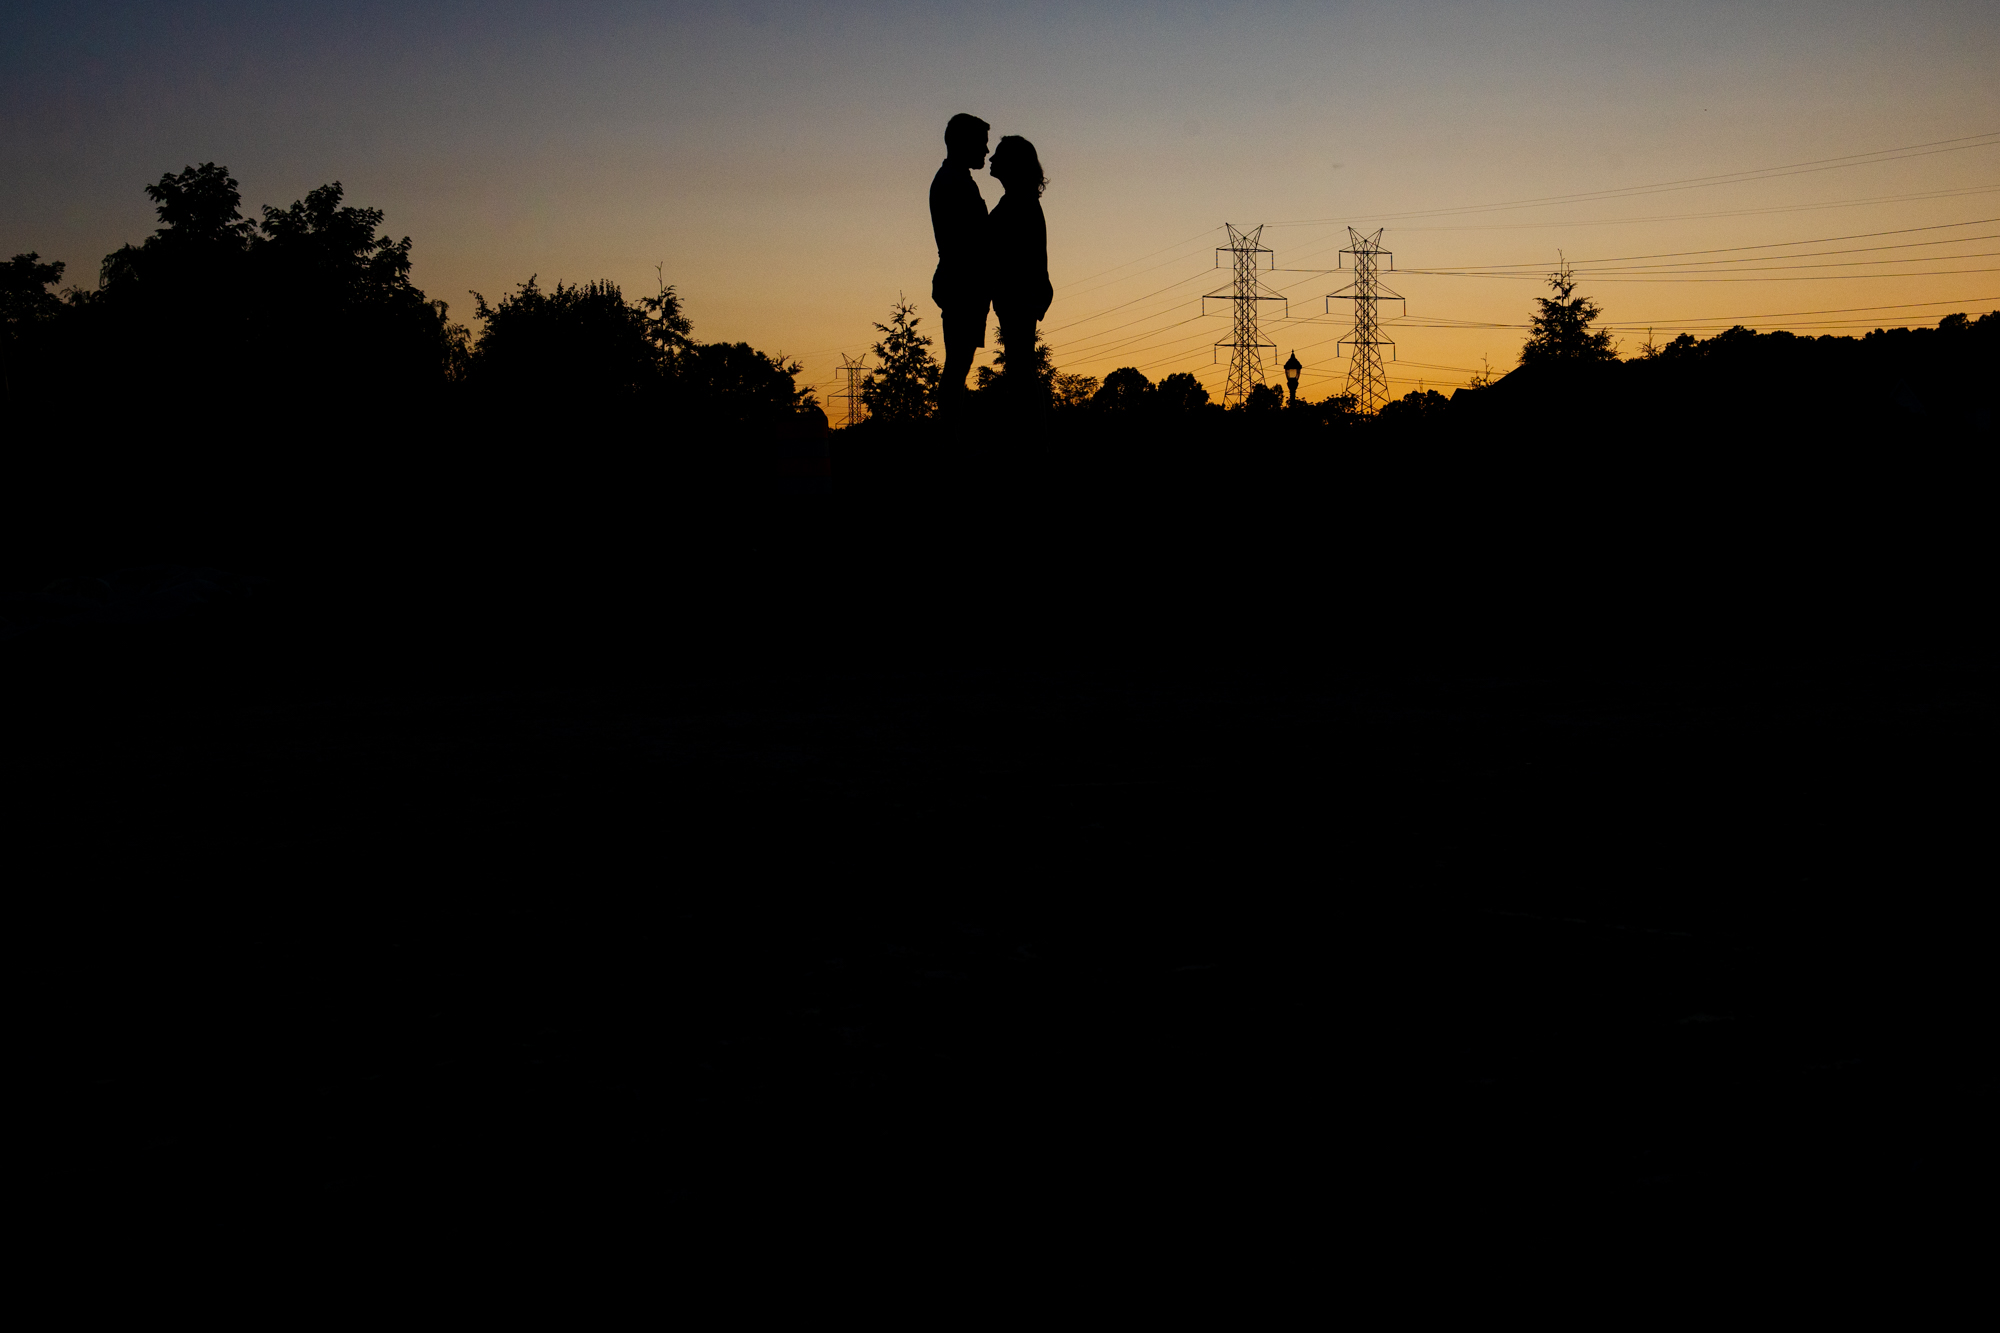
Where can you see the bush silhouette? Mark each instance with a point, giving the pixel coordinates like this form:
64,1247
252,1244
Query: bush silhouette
583,340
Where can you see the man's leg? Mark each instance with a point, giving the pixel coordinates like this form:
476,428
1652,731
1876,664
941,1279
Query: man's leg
958,350
964,334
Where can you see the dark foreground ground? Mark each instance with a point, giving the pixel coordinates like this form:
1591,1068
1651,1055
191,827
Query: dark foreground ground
966,858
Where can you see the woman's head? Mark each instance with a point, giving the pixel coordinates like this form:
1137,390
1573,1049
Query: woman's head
1016,166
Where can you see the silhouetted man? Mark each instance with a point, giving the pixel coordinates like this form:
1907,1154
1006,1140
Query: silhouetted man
958,219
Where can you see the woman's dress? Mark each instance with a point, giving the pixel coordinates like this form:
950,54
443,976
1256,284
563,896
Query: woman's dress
1018,242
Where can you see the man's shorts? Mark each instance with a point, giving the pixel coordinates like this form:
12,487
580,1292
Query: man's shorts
964,325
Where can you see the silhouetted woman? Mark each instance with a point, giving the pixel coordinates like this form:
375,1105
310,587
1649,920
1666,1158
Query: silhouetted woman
1017,244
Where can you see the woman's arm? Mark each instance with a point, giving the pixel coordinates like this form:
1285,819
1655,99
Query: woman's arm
1045,291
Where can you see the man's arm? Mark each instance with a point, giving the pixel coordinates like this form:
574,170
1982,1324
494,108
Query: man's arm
958,214
939,210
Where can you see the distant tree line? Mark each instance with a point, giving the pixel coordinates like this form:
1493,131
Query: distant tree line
1938,379
901,389
307,319
309,314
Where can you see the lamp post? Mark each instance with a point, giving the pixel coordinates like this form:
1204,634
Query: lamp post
1292,369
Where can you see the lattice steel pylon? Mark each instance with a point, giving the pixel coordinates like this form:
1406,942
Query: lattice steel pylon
1246,343
1367,381
852,368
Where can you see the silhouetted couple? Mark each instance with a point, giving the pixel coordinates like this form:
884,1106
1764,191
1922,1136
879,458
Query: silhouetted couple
1001,260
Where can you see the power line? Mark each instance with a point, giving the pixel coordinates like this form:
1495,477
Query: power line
1179,350
1961,143
1089,345
1817,277
1139,335
1779,245
852,369
1445,322
1188,348
1779,268
1859,309
1119,344
1245,343
1153,268
1133,347
1085,338
1720,322
1122,304
1367,381
1141,259
1699,266
1953,193
1189,345
1092,347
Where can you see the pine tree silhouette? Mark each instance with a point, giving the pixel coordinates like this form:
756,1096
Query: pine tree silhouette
903,387
1560,330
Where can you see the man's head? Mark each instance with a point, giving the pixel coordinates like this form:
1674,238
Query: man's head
965,140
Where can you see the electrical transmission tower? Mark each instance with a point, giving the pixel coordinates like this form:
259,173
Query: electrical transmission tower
853,369
1246,344
1367,381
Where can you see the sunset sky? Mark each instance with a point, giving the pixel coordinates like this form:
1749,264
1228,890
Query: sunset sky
775,157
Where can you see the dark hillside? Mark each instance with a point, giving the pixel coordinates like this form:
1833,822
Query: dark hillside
510,784
1571,825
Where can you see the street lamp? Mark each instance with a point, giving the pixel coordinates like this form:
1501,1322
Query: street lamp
1292,369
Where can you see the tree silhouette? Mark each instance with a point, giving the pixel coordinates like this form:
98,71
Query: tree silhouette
368,322
1560,330
311,314
1126,389
903,386
200,206
336,250
310,304
1418,406
1180,393
666,324
1263,398
178,310
547,349
578,339
734,384
454,345
1074,391
24,294
26,304
200,228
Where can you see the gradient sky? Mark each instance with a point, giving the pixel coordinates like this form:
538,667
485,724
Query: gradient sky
775,157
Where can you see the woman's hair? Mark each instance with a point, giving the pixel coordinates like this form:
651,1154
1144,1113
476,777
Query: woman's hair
1030,165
